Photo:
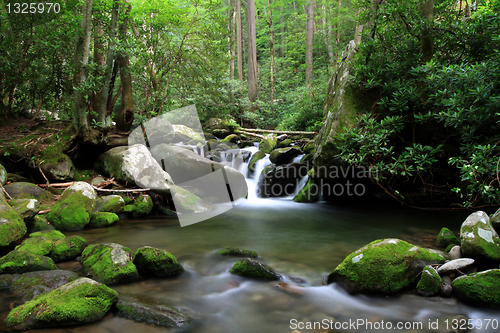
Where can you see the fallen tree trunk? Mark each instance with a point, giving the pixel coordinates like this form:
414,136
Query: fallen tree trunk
248,133
276,132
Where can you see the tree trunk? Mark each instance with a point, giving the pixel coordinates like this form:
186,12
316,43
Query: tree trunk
252,52
82,53
232,48
271,49
309,41
103,98
426,9
100,60
282,31
126,114
238,40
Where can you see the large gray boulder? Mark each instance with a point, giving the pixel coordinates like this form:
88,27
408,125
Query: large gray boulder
77,302
478,238
157,130
385,266
72,210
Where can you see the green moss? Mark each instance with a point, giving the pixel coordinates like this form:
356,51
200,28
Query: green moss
310,192
253,161
267,144
36,245
68,248
12,226
479,289
449,247
254,269
109,263
142,205
21,262
80,301
102,219
49,234
237,252
71,213
429,283
39,223
285,143
446,237
157,262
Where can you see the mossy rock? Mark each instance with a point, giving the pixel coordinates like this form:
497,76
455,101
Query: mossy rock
429,283
22,262
254,269
32,284
253,161
284,144
310,192
156,314
102,219
72,211
12,226
479,289
38,223
478,238
446,238
308,148
110,203
237,252
232,138
109,263
68,248
267,144
284,155
385,266
24,190
188,202
57,165
6,280
77,302
26,208
245,144
49,234
142,205
157,262
3,175
37,245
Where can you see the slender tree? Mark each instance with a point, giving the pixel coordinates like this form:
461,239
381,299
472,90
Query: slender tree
309,40
239,42
252,52
426,9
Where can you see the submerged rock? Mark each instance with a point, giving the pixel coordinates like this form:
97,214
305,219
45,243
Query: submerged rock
429,283
237,252
446,237
479,240
72,210
32,284
109,263
68,248
157,262
77,302
22,262
384,266
480,289
254,269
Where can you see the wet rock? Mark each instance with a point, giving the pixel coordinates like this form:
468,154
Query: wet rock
32,284
72,210
254,269
102,219
6,280
253,162
77,302
24,190
429,283
3,175
36,245
142,205
446,288
109,263
267,144
68,248
231,138
479,240
38,223
12,226
455,253
156,262
284,144
384,266
110,203
48,234
22,262
280,180
186,201
159,315
446,237
284,155
480,289
59,167
455,265
310,192
237,252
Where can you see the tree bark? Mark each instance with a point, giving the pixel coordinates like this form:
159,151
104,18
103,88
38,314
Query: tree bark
271,49
99,59
232,48
426,9
239,43
126,114
309,41
282,31
252,52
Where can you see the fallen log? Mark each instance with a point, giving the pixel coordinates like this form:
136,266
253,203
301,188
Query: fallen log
248,133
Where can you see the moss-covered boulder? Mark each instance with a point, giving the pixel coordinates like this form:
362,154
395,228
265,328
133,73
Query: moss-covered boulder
310,191
429,283
38,223
22,262
32,284
446,237
480,289
188,202
134,165
3,175
24,190
237,252
284,155
232,138
26,208
80,301
156,262
254,269
142,205
48,234
37,245
280,180
72,210
109,263
150,313
285,143
308,147
384,266
12,226
478,238
57,165
185,134
102,219
68,248
268,143
110,203
253,162
6,280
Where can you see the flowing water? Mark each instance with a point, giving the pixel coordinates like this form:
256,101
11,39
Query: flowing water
304,242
